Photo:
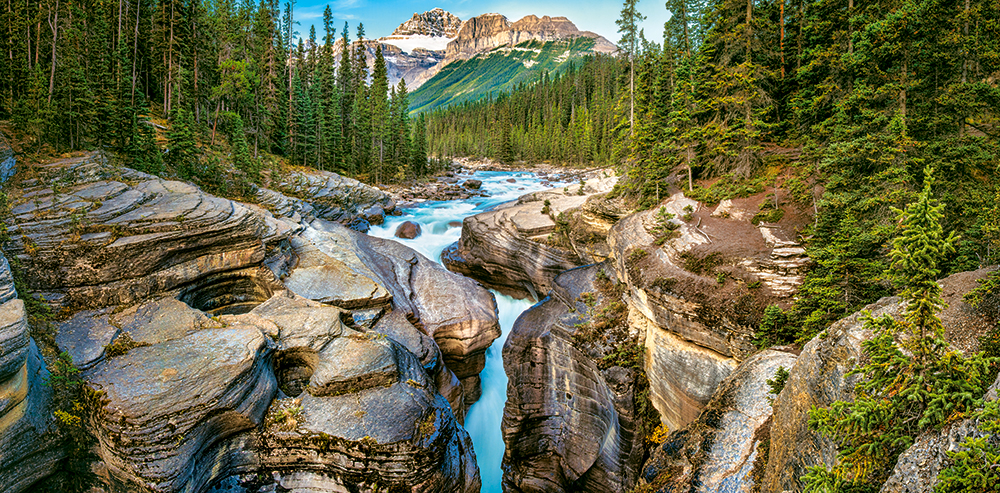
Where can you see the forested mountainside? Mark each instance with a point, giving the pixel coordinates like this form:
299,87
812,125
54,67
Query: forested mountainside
499,70
835,105
101,74
848,110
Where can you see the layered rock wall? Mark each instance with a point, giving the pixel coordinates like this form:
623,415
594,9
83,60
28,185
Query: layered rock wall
212,372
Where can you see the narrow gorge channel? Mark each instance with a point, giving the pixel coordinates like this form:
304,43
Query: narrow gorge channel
440,224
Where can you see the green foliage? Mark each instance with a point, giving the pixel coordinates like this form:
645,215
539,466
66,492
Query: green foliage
727,187
916,253
663,229
561,116
774,328
121,345
907,387
75,404
182,150
986,296
975,467
777,384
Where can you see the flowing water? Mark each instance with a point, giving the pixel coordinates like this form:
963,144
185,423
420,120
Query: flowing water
441,226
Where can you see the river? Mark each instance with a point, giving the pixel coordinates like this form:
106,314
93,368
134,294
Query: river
437,221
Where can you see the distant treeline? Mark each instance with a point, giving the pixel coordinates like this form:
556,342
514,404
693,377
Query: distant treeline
840,103
89,75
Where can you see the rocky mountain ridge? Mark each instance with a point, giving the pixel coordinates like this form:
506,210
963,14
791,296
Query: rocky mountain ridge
434,22
420,47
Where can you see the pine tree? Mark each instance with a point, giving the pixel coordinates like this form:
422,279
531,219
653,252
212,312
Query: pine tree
380,121
182,150
917,253
418,153
628,26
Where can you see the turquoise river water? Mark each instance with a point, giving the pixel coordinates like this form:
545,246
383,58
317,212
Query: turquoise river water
437,220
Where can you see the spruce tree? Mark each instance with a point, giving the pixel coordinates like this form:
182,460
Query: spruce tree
904,388
917,253
182,150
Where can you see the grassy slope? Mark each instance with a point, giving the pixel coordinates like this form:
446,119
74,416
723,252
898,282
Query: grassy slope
498,70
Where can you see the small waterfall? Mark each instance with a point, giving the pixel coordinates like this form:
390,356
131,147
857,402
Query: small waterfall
440,223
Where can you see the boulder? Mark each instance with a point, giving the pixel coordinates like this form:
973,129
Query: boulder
472,184
719,450
408,230
109,236
818,378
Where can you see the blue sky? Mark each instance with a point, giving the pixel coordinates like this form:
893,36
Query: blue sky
380,17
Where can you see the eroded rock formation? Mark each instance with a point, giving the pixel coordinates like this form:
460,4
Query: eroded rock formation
570,422
181,309
818,378
698,283
520,247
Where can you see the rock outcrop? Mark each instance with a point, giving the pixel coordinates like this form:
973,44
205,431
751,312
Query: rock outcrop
570,422
90,235
210,370
344,268
434,22
29,449
520,247
720,450
818,378
698,283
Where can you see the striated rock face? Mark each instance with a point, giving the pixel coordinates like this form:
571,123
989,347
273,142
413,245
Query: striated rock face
434,22
107,237
173,405
213,373
489,31
719,450
518,250
326,196
29,449
699,294
568,424
818,379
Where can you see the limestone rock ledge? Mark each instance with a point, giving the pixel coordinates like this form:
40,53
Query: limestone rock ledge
88,234
568,424
818,378
719,450
518,249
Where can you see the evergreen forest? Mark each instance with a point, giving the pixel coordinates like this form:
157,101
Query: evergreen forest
839,104
229,89
881,118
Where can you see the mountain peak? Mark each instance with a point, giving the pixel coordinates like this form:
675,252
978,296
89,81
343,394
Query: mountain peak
435,22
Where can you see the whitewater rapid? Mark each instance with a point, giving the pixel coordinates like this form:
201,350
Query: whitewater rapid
437,220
